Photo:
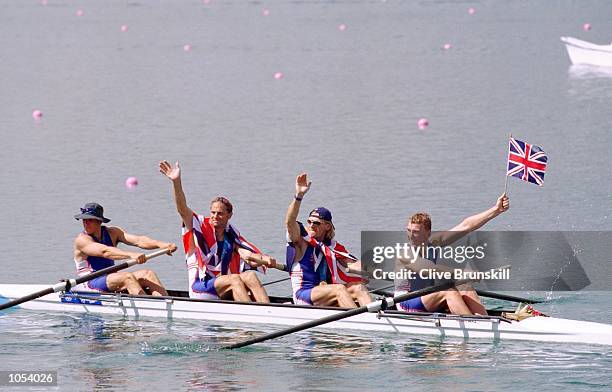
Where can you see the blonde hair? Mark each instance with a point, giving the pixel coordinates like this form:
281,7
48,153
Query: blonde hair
224,201
331,233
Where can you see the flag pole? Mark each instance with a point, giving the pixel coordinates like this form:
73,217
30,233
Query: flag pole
506,182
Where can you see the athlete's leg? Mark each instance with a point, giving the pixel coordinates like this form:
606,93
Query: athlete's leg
120,281
147,278
251,281
433,302
332,295
359,293
227,285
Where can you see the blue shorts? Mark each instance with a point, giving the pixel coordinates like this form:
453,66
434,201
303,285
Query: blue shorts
98,283
206,286
412,305
302,297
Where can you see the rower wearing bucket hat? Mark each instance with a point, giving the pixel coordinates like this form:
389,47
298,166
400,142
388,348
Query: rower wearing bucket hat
96,248
318,264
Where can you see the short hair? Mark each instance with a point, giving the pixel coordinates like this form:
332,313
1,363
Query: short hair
224,201
421,218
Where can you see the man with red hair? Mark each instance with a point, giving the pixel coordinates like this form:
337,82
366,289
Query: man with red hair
461,300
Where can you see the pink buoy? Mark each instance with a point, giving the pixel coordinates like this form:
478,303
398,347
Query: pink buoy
471,11
187,48
265,12
37,114
43,2
423,123
342,27
80,13
586,27
447,46
124,28
278,75
206,2
131,182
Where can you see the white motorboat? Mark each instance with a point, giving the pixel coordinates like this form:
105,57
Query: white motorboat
583,52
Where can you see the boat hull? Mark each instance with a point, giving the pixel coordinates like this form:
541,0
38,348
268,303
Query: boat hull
583,52
547,329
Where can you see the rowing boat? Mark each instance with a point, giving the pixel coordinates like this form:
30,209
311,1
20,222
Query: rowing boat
281,312
583,52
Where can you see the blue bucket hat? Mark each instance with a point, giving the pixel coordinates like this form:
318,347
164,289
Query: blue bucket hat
92,211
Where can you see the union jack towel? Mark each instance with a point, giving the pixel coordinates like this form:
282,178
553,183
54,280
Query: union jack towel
526,161
201,249
332,253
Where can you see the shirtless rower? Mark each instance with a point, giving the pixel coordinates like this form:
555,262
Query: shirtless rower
96,248
462,300
317,263
220,262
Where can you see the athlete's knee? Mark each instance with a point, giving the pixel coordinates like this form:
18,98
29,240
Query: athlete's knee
235,280
356,288
250,278
129,277
340,291
150,275
452,293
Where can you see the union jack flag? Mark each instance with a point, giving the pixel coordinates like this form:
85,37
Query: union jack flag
526,161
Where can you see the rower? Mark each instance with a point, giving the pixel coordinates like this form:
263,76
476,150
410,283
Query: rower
317,263
220,262
96,248
461,300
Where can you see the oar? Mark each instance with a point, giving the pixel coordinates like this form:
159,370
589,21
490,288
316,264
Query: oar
490,294
482,293
371,307
382,290
66,284
276,281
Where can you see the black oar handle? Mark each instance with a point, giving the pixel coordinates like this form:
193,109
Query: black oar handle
73,282
372,307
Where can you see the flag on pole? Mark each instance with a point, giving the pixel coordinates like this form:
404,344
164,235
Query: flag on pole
526,161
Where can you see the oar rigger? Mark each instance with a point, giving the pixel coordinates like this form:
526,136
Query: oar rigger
64,285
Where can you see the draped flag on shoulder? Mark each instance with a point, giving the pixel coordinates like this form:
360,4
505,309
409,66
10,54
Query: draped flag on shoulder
201,249
336,257
526,161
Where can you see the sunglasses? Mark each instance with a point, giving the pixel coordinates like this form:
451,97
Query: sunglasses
313,222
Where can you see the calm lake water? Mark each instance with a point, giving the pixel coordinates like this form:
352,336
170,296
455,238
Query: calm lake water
114,103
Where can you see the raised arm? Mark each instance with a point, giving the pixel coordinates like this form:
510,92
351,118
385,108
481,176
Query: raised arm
302,185
141,241
174,174
471,223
